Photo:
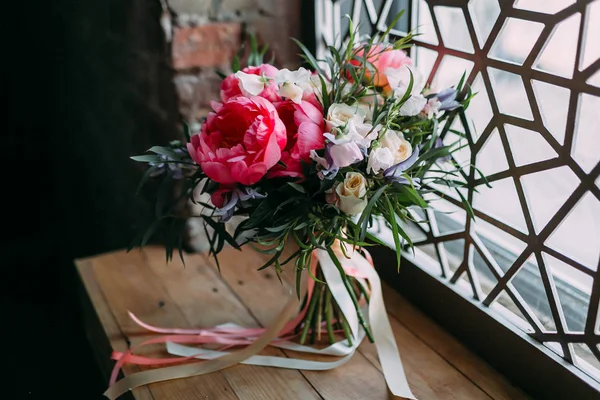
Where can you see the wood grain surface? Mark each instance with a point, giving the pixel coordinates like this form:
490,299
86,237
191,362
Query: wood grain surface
197,295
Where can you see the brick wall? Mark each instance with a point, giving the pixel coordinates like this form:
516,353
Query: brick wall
206,34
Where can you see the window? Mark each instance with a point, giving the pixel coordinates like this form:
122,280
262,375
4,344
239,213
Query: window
531,259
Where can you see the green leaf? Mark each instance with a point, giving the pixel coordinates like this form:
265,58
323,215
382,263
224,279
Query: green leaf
165,151
392,24
364,218
235,64
297,187
466,204
186,130
277,228
150,232
258,215
324,94
146,158
271,261
219,228
461,82
309,57
413,195
145,178
394,224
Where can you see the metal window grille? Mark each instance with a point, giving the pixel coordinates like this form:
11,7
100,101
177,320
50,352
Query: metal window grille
533,254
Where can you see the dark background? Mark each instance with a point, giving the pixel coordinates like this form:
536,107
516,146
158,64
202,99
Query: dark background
83,92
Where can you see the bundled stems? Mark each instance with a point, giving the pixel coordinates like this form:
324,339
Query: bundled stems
361,318
323,310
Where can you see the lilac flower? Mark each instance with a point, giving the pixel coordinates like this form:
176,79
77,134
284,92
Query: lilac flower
226,212
168,163
448,99
236,196
437,145
248,193
394,173
329,169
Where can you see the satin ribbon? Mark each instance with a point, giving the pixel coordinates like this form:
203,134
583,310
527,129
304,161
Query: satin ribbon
230,335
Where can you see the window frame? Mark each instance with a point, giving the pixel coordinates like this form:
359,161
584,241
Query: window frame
520,356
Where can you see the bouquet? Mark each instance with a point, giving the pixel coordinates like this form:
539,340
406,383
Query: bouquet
312,158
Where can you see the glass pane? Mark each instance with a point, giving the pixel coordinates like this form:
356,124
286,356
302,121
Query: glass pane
528,147
484,15
453,28
547,6
502,202
553,102
425,26
491,158
510,93
587,142
546,192
516,39
591,50
563,42
578,236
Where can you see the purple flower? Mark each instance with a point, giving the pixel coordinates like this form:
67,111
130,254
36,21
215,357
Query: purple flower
448,99
437,145
236,196
248,193
168,163
394,173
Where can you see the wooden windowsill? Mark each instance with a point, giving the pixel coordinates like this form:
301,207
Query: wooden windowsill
171,295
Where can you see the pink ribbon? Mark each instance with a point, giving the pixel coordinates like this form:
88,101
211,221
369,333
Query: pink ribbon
227,336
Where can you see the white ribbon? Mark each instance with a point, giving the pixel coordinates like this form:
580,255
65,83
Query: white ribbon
376,314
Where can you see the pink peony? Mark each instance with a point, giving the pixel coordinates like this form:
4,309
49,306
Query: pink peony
230,87
240,141
383,57
304,126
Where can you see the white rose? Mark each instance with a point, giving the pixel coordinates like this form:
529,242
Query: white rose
292,84
398,145
380,159
340,114
352,193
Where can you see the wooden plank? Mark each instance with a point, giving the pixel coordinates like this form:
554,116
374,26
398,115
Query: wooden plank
127,283
206,301
109,329
448,347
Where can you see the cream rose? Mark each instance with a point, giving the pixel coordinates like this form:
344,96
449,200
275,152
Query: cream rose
397,144
352,193
340,114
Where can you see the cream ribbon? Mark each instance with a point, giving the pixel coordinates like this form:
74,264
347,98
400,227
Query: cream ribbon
385,343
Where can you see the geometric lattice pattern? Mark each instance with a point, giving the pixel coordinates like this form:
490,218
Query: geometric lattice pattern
533,130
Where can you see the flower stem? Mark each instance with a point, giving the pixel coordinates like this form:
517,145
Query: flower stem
345,326
319,318
363,291
329,316
309,317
